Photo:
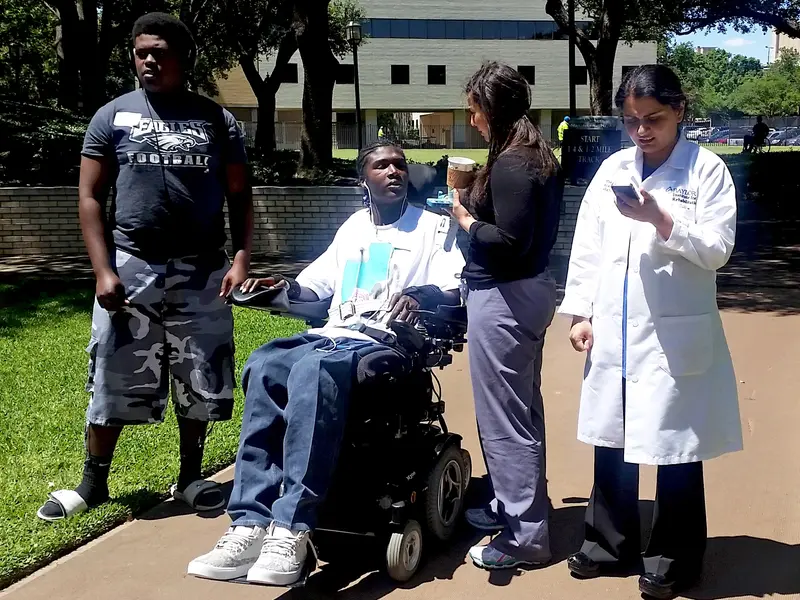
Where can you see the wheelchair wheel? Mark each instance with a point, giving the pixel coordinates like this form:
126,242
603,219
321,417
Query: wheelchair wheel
445,496
404,552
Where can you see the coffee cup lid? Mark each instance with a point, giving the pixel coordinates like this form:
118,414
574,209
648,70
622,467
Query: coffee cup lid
459,163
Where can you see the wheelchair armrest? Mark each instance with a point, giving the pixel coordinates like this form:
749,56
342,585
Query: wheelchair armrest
273,299
276,300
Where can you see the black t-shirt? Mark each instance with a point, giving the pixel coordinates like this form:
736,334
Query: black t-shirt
517,224
170,153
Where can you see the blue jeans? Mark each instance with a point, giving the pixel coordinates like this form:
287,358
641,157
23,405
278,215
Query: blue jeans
297,394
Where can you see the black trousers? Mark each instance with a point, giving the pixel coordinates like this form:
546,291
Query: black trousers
678,539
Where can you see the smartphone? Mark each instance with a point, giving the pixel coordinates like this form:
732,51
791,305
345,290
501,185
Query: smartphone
626,192
443,202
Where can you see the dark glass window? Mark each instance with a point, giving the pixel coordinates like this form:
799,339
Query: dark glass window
545,30
399,28
473,30
508,30
455,30
491,30
418,28
366,27
401,75
437,75
437,29
345,74
527,30
289,74
381,28
528,72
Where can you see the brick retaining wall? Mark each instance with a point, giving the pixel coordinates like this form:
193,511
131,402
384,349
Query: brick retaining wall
297,221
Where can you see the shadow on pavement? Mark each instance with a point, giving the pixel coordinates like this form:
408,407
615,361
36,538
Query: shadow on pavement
740,566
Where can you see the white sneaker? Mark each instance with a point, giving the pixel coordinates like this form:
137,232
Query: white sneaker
283,556
232,557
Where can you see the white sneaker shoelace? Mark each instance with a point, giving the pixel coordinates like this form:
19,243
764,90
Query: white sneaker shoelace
282,546
234,543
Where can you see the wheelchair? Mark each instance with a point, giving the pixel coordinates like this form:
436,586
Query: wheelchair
402,476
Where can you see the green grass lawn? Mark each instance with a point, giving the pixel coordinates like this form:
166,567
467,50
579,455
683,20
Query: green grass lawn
43,333
479,156
424,156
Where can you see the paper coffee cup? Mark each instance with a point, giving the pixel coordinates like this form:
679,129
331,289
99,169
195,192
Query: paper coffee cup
460,173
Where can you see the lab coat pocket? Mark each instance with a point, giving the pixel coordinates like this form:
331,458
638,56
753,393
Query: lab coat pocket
687,344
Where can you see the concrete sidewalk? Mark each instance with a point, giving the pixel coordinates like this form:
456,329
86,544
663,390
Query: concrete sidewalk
753,506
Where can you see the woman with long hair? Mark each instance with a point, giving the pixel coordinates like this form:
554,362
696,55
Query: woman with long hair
510,216
655,225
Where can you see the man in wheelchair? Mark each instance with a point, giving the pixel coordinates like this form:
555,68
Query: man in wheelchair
386,263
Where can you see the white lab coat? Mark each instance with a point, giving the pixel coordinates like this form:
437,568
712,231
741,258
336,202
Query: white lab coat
681,394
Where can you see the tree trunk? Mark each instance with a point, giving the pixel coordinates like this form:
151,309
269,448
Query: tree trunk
598,55
92,81
265,90
265,126
601,78
319,65
68,50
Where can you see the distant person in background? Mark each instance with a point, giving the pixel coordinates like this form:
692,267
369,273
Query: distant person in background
511,219
562,128
160,321
381,133
759,137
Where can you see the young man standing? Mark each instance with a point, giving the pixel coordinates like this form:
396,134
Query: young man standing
160,319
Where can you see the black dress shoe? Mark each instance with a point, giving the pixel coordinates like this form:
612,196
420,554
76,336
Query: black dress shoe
582,566
661,587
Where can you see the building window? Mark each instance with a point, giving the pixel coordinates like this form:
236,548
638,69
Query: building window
437,29
457,29
437,75
400,75
473,30
345,74
545,30
529,73
527,30
454,30
381,28
398,28
509,30
581,75
491,30
418,29
289,73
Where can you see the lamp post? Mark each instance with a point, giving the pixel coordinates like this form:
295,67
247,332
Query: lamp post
354,37
572,41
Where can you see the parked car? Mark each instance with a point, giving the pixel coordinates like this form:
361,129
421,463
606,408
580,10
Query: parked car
715,133
781,136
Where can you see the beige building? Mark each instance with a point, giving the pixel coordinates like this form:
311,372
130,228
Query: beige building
417,60
781,41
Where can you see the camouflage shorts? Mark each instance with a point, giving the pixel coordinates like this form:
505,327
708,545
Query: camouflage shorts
177,329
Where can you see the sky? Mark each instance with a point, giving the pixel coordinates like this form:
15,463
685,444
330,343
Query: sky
751,44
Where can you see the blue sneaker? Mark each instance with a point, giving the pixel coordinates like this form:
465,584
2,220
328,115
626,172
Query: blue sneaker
483,519
488,557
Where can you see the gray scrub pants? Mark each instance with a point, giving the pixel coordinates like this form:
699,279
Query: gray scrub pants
507,325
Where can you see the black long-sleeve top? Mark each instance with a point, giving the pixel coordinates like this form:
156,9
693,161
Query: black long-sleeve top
517,224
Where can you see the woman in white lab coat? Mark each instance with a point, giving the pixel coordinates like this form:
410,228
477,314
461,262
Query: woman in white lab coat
659,386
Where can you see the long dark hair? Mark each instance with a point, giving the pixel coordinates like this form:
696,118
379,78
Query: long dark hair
658,82
504,97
